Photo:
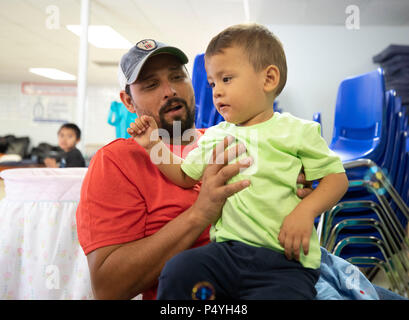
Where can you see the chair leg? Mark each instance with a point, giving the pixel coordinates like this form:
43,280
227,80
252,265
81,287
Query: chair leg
401,282
395,252
379,265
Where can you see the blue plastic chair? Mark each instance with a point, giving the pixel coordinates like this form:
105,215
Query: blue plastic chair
317,118
402,180
360,116
405,184
401,167
391,161
393,118
388,161
276,108
376,134
206,113
362,109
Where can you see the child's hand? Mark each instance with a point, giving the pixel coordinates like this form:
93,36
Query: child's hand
296,232
141,130
50,163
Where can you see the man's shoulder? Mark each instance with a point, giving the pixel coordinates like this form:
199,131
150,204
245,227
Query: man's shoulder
119,149
121,145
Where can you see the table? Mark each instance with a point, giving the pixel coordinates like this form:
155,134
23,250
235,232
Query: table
40,257
17,165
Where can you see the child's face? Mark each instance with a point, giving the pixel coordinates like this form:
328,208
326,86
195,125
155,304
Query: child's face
238,90
67,139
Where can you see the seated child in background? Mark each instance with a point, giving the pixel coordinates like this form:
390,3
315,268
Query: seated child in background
264,245
68,136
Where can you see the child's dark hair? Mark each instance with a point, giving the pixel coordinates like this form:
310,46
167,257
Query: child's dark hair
73,127
261,45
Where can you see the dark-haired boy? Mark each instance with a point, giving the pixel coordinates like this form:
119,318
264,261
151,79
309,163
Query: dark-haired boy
264,245
68,136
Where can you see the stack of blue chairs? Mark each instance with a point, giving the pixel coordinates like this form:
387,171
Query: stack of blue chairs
367,227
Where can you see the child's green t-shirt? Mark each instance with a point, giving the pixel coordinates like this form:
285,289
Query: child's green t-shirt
279,147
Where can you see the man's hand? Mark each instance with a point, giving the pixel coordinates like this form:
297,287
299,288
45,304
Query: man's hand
214,190
144,131
302,193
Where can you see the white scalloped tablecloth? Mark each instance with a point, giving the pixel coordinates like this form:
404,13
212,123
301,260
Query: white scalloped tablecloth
40,257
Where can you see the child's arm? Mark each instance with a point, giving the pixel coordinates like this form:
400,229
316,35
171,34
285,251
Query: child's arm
50,163
297,226
144,131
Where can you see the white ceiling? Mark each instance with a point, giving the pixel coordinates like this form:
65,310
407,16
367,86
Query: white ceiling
27,42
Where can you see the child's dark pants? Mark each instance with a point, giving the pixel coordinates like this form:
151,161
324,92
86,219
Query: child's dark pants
236,271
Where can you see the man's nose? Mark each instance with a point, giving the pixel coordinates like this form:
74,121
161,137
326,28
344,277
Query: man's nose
168,90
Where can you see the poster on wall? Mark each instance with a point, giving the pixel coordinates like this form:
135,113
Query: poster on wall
49,102
11,108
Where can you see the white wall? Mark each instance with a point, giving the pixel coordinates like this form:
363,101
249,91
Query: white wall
320,57
16,115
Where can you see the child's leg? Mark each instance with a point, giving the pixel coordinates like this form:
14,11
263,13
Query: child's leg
190,272
274,277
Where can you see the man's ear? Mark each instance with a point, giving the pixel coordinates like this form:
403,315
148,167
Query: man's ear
127,101
272,78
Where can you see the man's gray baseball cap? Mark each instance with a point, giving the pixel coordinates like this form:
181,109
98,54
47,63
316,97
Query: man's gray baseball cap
133,61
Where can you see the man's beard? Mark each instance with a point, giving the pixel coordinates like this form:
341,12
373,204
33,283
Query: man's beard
186,122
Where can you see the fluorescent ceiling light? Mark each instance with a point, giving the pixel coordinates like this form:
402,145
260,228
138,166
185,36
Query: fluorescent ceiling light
102,37
52,73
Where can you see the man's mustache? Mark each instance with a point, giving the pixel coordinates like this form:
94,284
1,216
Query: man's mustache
171,101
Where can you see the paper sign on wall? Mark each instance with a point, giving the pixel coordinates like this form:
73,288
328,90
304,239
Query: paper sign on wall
50,102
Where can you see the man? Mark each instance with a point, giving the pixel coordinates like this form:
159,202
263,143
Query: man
131,220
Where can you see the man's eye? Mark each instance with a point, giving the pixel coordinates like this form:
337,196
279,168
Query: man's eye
227,79
150,85
178,77
211,84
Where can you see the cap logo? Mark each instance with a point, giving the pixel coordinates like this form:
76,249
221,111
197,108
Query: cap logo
146,45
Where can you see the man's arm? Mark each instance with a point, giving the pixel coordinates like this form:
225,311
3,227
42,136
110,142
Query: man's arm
123,271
